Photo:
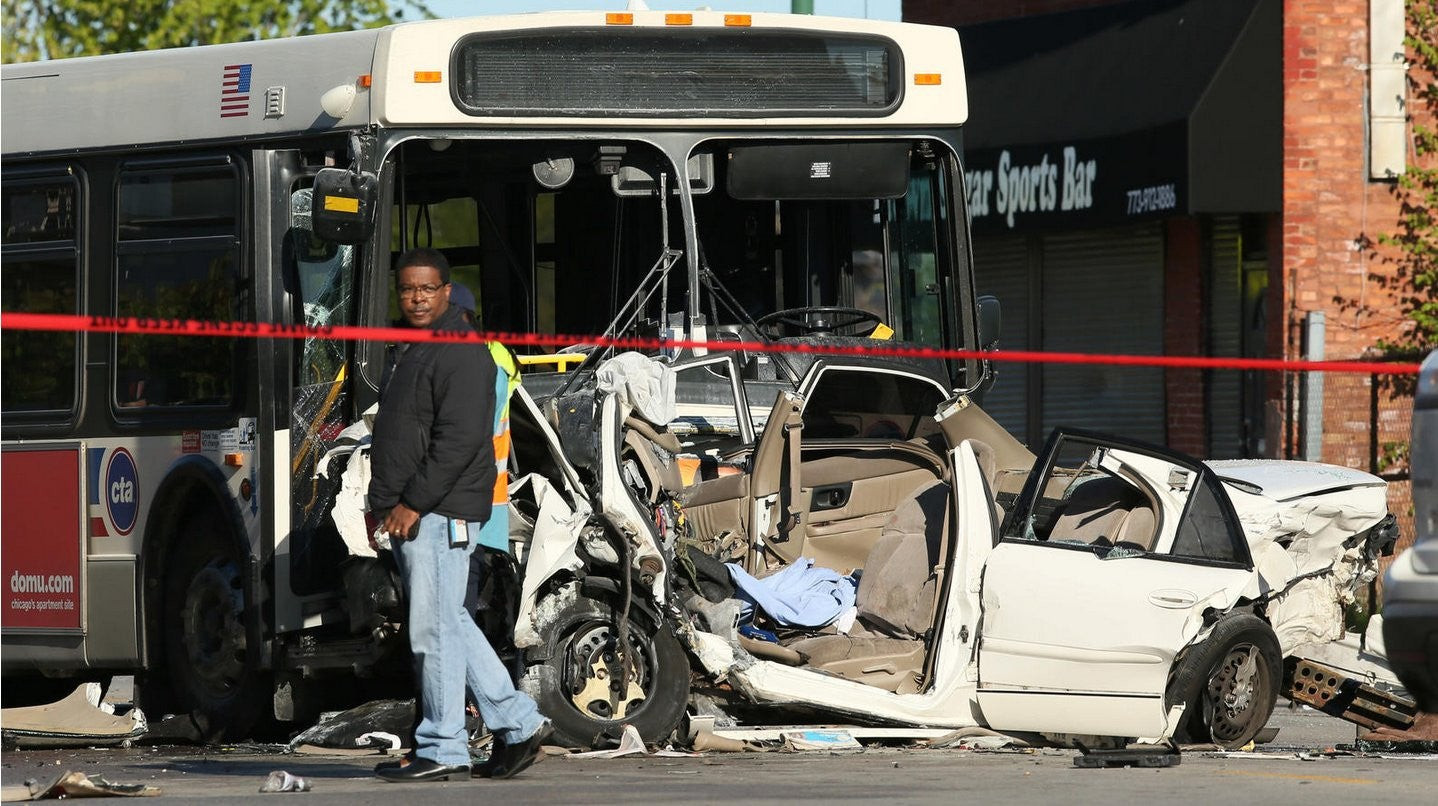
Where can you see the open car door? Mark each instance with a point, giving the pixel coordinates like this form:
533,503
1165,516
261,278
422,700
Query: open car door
1114,553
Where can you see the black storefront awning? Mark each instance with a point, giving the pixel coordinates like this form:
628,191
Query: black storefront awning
1127,112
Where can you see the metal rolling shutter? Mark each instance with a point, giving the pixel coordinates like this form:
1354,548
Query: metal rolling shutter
1103,293
1001,268
1225,339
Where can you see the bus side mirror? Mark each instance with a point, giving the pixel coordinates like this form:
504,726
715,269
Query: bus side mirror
344,205
991,321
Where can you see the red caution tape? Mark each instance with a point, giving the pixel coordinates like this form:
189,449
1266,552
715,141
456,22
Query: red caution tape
72,323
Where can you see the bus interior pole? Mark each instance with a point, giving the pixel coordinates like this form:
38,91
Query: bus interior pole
664,278
695,327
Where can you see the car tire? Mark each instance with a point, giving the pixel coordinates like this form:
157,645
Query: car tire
1227,701
212,672
572,685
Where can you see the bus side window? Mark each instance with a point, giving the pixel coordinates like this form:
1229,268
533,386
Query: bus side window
41,260
178,257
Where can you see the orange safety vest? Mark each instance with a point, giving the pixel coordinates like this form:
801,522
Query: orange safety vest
509,369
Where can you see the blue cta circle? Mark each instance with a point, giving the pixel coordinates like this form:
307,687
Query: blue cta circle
122,491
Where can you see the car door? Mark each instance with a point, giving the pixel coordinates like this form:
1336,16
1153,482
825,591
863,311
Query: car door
866,428
1114,553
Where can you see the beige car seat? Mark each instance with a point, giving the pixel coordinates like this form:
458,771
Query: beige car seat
895,600
1107,512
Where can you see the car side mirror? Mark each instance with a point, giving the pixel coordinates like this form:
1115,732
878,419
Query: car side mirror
991,320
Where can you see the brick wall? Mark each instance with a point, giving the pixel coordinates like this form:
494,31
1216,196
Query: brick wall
1333,214
1332,217
1183,334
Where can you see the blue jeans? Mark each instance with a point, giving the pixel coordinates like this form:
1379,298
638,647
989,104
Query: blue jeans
450,651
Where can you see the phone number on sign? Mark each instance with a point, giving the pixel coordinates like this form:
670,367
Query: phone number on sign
1147,200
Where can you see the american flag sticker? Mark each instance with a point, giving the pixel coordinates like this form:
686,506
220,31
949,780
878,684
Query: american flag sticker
235,91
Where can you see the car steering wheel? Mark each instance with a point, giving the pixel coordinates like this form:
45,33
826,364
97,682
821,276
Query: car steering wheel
818,320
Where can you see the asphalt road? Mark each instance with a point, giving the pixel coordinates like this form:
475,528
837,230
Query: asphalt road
1301,764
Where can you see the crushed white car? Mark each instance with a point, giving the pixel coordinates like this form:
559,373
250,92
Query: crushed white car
1105,588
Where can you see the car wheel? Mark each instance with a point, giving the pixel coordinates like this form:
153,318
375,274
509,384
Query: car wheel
1229,683
582,686
213,674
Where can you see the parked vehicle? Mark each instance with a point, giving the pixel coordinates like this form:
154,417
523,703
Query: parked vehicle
1410,589
1105,588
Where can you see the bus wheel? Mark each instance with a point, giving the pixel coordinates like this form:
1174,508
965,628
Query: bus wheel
1229,683
213,672
584,690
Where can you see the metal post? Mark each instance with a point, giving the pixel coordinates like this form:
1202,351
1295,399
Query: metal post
1312,411
801,6
1373,423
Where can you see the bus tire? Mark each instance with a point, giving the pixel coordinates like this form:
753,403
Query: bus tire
213,675
1228,683
571,686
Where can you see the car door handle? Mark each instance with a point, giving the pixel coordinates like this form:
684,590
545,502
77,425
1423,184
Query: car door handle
1173,598
832,496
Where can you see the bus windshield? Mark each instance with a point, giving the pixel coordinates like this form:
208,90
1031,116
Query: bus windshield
786,238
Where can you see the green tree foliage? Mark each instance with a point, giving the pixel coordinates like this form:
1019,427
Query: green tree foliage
57,29
1415,279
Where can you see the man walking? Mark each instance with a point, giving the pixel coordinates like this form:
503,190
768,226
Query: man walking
433,475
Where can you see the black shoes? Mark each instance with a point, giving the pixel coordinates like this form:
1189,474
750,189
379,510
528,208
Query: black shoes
419,769
507,761
390,766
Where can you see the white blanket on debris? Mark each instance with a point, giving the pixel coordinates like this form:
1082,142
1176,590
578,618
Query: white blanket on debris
351,504
641,384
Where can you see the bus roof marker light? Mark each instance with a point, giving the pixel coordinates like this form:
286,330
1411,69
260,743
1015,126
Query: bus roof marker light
337,100
366,80
678,19
928,79
619,18
428,76
738,20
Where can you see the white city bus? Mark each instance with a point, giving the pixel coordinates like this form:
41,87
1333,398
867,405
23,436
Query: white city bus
698,174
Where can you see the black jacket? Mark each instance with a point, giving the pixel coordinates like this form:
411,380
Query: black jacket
433,445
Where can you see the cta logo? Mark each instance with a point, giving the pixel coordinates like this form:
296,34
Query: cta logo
122,491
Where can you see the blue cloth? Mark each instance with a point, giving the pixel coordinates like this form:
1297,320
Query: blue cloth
800,595
450,651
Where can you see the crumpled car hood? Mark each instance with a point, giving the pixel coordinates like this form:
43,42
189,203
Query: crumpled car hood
1300,518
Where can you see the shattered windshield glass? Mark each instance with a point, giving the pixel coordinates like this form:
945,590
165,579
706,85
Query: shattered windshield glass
323,275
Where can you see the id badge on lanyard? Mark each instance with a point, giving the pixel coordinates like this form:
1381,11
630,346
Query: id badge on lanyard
458,533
